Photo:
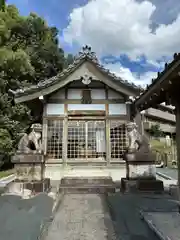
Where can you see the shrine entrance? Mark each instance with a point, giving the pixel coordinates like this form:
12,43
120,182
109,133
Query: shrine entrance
86,140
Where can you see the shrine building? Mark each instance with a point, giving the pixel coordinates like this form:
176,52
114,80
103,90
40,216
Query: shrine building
83,111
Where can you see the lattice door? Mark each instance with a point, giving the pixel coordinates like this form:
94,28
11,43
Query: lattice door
86,140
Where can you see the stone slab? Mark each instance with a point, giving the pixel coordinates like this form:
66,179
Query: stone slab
98,180
35,186
165,224
141,185
88,189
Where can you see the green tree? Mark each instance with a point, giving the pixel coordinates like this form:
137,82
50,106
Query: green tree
29,52
155,131
2,4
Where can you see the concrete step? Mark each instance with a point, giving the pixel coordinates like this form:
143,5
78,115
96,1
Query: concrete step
87,189
73,181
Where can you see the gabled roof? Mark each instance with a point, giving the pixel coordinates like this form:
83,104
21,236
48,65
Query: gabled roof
85,55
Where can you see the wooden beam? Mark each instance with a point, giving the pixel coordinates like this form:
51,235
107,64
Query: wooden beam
78,101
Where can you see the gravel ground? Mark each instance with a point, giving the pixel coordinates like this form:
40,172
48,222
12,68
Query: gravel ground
21,219
81,216
125,213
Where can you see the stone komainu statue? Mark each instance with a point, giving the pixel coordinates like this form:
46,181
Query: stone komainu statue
137,142
31,142
138,151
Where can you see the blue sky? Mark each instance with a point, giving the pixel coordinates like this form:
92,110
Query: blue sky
133,38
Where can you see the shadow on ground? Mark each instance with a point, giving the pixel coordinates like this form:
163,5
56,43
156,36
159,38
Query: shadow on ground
125,213
23,218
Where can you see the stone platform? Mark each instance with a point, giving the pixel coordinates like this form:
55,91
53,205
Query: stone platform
99,185
142,185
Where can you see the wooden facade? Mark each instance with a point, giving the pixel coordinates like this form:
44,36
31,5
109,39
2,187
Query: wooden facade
84,110
75,132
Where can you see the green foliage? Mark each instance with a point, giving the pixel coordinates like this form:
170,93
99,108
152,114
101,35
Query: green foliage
6,142
155,131
29,52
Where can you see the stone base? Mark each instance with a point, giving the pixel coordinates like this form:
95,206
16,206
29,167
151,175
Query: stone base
35,186
142,171
26,171
99,185
142,185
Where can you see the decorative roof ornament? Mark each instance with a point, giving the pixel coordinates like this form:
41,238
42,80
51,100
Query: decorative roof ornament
86,79
87,52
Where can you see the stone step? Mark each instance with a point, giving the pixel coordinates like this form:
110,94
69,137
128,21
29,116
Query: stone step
73,181
87,189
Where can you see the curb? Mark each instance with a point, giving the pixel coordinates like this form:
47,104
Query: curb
152,227
166,177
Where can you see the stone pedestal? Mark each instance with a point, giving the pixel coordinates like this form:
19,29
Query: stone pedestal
142,171
29,166
30,172
141,185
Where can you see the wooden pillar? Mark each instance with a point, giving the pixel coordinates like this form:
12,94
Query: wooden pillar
44,135
128,109
108,142
65,141
65,135
44,130
178,138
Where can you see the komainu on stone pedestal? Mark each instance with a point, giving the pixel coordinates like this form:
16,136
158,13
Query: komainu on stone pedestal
29,157
29,162
140,161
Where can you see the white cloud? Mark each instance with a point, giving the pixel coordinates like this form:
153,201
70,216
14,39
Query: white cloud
122,27
126,74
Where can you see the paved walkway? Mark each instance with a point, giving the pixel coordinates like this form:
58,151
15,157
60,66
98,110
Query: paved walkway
81,217
125,211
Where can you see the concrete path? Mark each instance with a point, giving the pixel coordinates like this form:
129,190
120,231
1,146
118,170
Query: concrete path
81,216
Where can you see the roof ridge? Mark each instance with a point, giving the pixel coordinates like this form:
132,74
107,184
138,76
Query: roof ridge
85,54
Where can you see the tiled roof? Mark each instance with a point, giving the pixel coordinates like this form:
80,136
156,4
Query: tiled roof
85,54
167,67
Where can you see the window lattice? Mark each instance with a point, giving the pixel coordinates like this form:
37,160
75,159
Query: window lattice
86,140
55,136
118,136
